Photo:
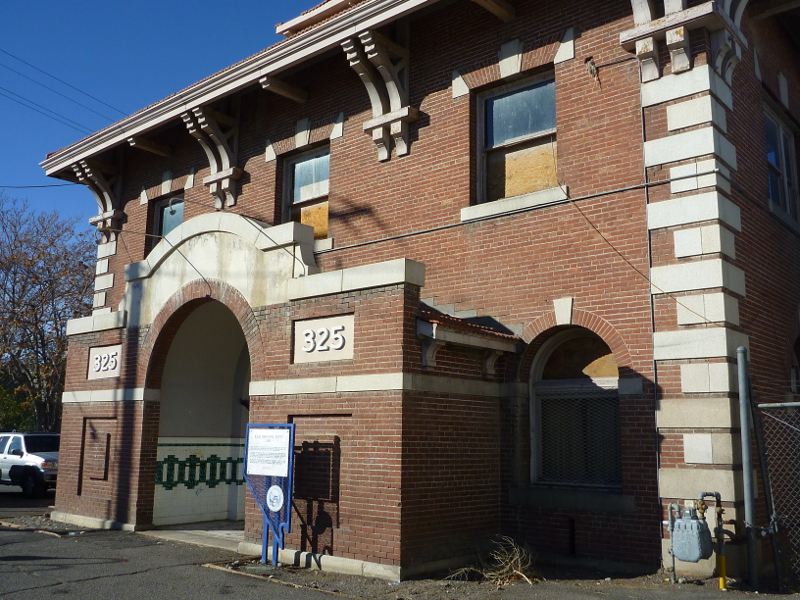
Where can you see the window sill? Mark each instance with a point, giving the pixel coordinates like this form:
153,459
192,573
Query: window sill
323,245
546,197
313,200
572,499
783,216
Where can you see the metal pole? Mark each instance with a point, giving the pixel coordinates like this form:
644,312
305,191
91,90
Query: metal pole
747,467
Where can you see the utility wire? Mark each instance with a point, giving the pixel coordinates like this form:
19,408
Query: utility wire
47,87
45,108
29,187
252,221
80,129
175,248
124,114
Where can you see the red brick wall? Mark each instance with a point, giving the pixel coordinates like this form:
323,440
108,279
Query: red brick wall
431,474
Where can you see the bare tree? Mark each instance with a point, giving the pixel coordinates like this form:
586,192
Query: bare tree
46,276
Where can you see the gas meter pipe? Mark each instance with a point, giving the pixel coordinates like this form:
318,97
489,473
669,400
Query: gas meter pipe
719,532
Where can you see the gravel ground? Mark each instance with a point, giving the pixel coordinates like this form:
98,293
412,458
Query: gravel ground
41,524
581,581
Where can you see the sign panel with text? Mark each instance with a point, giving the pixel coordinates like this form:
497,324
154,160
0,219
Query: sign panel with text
268,467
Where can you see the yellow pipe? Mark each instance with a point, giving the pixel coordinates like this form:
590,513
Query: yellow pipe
723,572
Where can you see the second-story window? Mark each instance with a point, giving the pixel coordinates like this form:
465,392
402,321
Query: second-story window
518,145
169,214
782,164
307,186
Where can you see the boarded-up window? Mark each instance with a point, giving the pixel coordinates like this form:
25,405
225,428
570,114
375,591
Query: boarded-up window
307,191
519,142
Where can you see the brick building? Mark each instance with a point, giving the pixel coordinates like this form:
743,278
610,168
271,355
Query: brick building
493,260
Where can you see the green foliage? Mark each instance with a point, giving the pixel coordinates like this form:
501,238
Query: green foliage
16,411
46,277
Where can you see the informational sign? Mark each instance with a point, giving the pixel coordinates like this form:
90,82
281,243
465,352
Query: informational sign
104,361
322,340
269,451
268,468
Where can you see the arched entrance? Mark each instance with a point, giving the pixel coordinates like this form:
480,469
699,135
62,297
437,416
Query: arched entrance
203,418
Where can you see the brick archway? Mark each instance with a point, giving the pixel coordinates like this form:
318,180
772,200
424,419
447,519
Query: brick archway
543,328
197,431
175,311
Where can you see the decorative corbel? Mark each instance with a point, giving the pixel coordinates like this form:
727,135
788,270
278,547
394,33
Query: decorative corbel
727,53
205,125
647,53
678,44
391,61
100,178
678,39
429,349
375,90
490,362
382,65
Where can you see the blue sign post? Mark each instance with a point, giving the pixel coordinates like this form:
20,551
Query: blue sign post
268,467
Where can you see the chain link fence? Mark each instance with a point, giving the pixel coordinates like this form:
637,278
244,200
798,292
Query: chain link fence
780,426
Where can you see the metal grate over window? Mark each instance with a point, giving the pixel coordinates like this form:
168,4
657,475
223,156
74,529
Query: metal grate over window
578,437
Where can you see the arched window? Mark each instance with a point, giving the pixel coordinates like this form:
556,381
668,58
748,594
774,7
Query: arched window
575,413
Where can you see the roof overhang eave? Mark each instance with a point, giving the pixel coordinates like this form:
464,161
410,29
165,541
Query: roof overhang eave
284,55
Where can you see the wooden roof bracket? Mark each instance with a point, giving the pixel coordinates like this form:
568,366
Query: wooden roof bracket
206,126
280,87
100,179
138,141
382,65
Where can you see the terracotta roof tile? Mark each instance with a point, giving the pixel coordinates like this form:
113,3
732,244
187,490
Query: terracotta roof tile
434,316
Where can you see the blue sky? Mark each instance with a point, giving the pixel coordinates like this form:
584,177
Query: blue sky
127,54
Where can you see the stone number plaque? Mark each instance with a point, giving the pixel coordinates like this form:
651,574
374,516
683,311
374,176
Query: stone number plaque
104,361
322,340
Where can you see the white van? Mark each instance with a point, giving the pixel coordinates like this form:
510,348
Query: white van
29,460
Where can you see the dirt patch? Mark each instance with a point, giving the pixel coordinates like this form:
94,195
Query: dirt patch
551,583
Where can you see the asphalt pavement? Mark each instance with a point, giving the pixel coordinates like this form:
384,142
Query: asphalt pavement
116,565
14,504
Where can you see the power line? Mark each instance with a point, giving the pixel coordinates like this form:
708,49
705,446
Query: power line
56,92
124,114
45,114
28,187
87,129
